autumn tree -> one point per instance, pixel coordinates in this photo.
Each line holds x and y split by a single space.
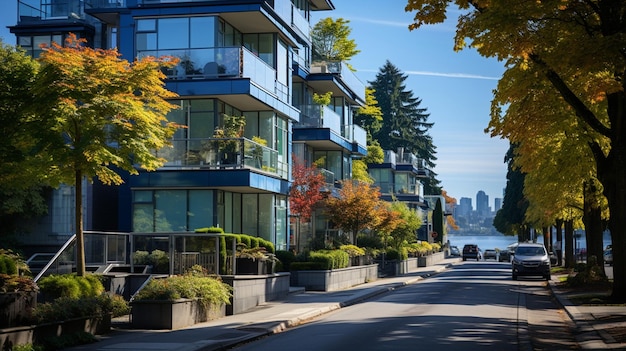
103 114
305 191
405 122
577 49
356 209
405 231
22 182
331 40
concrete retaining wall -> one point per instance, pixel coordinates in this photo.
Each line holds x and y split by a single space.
250 291
335 279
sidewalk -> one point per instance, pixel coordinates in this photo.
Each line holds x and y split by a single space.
597 327
300 306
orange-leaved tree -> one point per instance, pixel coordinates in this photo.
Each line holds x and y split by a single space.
103 114
357 208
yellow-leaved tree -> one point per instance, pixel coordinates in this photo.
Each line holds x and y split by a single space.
575 48
102 114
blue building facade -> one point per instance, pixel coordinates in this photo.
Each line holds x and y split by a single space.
237 60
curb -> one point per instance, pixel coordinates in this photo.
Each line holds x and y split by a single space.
587 336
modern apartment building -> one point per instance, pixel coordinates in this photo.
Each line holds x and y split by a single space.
398 178
239 60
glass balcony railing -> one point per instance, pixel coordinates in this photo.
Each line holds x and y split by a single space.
340 68
45 10
219 62
290 14
329 177
104 4
355 134
219 153
318 116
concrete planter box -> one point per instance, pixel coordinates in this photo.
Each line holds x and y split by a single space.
39 334
431 259
250 291
159 314
335 279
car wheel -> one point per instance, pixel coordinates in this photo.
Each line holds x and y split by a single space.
464 258
547 277
514 276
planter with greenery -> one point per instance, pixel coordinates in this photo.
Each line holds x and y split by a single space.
179 301
18 293
75 308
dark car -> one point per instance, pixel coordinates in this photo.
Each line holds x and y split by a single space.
608 256
531 260
471 251
490 254
504 255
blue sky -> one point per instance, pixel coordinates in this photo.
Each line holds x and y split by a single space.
455 87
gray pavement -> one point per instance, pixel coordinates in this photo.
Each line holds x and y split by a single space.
300 307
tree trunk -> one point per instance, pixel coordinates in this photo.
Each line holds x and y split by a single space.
570 261
558 244
80 242
612 174
592 217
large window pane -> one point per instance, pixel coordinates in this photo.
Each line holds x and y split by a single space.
143 218
266 216
173 33
249 214
146 41
171 210
202 32
200 209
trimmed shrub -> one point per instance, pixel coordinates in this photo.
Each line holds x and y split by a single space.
70 286
254 242
7 265
331 259
286 258
213 230
352 250
268 245
245 239
209 290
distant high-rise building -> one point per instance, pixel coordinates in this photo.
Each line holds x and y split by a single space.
497 204
465 207
482 204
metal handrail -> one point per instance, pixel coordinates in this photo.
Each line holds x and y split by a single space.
69 242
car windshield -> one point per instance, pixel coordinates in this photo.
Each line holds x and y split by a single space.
530 251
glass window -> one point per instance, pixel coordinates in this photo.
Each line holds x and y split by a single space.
173 33
266 48
146 41
266 216
171 210
144 25
143 196
249 214
200 211
201 29
143 218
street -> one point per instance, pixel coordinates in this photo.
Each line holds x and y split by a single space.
471 306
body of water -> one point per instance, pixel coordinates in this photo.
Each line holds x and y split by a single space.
501 241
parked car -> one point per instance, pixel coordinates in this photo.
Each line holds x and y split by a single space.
490 254
608 257
471 251
504 255
454 251
531 260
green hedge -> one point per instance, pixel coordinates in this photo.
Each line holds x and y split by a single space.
330 259
7 265
70 286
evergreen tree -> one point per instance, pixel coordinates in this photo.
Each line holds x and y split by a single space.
405 124
510 219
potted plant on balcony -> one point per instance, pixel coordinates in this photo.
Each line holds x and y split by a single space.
230 132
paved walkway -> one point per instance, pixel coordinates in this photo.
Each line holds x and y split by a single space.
298 308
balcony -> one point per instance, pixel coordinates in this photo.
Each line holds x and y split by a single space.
222 153
50 10
291 14
222 62
318 116
104 4
341 70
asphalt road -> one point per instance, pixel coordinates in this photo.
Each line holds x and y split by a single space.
472 306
